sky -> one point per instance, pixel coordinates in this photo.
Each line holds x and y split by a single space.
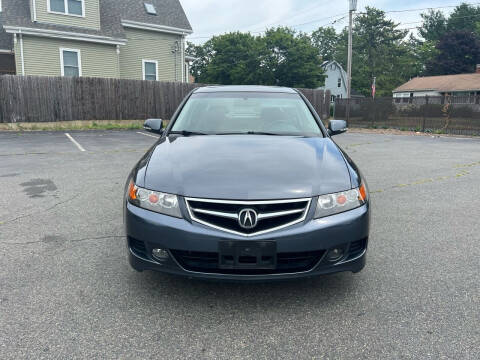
215 17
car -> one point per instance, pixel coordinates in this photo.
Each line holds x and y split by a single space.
245 183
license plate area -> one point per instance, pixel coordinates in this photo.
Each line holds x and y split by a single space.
246 255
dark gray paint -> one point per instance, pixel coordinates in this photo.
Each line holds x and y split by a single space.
247 167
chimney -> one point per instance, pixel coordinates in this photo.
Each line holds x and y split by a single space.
478 69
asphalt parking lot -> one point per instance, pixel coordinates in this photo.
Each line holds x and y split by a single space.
66 290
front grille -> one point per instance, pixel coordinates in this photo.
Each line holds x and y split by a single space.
208 262
271 215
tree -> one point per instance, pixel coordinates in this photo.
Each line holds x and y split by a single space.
422 52
434 26
291 59
464 18
458 53
236 59
325 39
203 55
380 50
281 57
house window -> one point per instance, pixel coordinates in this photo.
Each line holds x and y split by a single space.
150 70
332 98
68 7
339 82
71 62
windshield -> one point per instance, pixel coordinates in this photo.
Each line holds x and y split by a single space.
247 113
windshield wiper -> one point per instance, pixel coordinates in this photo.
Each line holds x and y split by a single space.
187 133
252 133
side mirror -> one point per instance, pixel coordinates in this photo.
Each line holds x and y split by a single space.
154 125
336 127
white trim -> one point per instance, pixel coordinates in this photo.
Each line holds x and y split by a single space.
155 27
182 59
6 51
79 59
67 13
65 35
22 57
34 12
144 61
0 5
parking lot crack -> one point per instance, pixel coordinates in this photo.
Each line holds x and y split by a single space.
70 241
39 211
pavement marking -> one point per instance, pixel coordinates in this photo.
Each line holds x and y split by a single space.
75 142
142 133
140 150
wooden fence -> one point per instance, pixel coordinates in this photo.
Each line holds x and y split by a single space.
51 99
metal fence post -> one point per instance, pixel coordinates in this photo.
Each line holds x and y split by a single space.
374 118
425 113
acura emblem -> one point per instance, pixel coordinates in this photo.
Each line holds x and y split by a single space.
248 218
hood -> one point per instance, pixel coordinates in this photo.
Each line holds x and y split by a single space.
247 167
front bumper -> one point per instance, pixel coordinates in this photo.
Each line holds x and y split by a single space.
147 230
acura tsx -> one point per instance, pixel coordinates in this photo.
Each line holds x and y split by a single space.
245 183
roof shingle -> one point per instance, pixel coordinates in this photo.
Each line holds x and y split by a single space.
170 13
6 40
445 83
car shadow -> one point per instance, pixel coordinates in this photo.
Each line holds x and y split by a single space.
251 297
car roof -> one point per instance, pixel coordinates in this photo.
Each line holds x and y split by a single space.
245 88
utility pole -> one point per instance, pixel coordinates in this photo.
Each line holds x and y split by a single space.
352 8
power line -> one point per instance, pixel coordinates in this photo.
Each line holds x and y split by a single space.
294 15
292 25
335 19
291 16
420 22
430 8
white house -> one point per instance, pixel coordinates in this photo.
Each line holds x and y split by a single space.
336 81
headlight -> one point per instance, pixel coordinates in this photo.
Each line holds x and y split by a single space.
332 204
162 203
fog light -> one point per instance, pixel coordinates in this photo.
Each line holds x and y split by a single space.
160 254
335 254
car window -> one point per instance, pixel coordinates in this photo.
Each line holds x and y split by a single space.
247 112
